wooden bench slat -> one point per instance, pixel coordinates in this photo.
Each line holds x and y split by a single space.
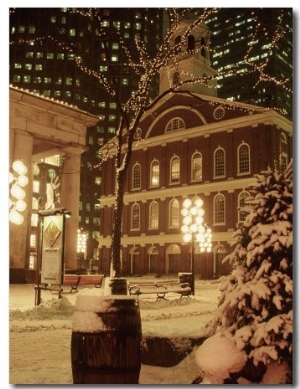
160 288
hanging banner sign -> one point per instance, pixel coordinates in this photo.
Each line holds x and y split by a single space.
52 250
51 266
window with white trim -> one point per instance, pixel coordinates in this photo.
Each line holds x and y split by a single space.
174 170
174 213
219 209
136 176
154 173
135 217
175 124
219 162
243 158
153 214
196 166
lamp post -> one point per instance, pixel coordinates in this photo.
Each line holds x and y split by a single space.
194 230
17 181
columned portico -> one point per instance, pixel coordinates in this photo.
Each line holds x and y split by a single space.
70 201
40 128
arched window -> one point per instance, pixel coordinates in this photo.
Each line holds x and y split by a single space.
196 166
191 42
136 176
135 217
219 162
174 170
242 202
175 124
243 158
153 214
174 213
177 43
219 209
154 173
176 78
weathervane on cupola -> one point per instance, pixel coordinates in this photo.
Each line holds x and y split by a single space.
192 59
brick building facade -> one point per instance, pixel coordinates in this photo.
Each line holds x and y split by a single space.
193 145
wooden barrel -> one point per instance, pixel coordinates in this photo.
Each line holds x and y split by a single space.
106 340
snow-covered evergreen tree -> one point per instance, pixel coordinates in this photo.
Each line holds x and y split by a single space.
256 302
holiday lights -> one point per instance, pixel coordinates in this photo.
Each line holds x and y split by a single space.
195 230
139 61
17 181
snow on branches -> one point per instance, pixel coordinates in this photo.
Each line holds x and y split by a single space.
256 301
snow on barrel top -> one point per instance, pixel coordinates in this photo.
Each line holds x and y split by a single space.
89 306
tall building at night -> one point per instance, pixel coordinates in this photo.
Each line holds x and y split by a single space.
48 68
232 30
41 65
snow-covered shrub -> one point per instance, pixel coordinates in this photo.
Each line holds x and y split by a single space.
256 301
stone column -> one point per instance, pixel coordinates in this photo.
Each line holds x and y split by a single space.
21 145
70 200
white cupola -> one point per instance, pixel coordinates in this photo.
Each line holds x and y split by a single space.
192 60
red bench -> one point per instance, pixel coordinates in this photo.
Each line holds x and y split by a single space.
74 280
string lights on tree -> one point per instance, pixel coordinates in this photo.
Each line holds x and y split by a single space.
138 59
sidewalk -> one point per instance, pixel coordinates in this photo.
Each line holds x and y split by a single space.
22 296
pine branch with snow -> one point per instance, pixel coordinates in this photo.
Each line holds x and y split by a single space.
256 301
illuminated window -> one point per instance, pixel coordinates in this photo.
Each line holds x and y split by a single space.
174 170
219 209
243 159
174 213
175 124
219 162
153 214
196 166
135 217
36 186
33 240
136 176
154 173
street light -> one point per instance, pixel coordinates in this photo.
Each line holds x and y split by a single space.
194 230
17 181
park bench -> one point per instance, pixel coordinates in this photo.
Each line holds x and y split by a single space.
74 280
160 288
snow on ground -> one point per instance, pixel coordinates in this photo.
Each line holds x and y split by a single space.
40 337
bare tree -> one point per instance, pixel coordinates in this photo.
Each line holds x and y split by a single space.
138 58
